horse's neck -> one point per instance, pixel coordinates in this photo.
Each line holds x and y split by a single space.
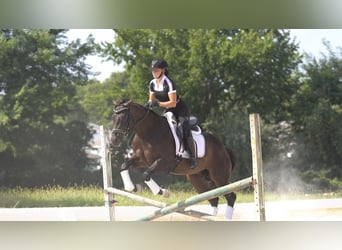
147 122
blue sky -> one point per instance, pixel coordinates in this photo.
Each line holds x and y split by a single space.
310 41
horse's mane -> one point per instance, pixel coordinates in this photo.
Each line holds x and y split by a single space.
122 101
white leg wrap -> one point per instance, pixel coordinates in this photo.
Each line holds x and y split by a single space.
214 211
229 213
139 188
153 186
166 193
128 184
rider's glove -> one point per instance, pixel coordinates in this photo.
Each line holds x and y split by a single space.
151 104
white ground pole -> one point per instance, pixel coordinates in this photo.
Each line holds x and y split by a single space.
107 174
259 199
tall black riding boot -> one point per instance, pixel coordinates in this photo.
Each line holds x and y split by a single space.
188 140
180 132
192 152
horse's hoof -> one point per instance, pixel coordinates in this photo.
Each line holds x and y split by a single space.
166 193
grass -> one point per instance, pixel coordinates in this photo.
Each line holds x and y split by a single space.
75 196
51 197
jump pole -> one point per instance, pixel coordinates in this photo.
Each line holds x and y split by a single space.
158 204
178 206
107 174
259 199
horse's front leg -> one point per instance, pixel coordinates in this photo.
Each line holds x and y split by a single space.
126 178
155 188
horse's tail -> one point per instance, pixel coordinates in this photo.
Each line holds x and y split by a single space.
232 157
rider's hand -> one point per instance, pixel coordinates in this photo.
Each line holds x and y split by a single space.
155 104
151 104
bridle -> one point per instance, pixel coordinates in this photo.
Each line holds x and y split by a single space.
130 118
119 130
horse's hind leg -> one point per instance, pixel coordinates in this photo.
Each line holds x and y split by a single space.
221 180
202 184
230 197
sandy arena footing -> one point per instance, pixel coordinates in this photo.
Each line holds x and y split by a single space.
293 210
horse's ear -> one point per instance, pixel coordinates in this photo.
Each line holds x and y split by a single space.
114 102
128 102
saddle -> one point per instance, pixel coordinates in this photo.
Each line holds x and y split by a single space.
198 138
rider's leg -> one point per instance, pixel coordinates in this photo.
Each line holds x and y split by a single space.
180 132
192 151
188 141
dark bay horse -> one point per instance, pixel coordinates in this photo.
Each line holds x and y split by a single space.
154 150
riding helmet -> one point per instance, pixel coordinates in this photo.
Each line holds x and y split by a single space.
159 64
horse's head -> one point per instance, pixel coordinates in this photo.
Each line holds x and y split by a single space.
121 121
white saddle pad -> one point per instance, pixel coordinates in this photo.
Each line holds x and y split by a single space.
196 135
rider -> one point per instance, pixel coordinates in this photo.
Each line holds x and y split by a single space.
163 94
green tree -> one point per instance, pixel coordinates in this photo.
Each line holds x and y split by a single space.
317 116
42 134
96 98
